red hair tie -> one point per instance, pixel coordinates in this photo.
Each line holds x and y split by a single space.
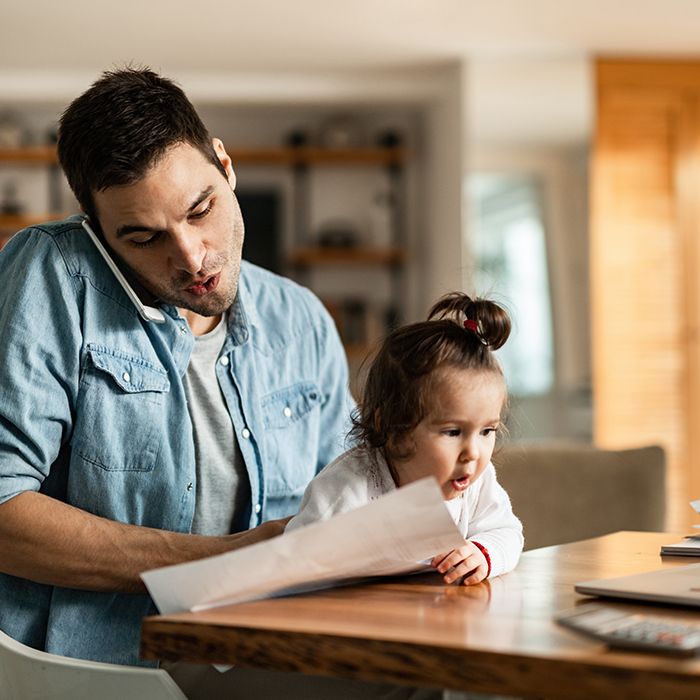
471 325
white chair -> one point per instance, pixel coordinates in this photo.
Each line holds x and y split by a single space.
28 674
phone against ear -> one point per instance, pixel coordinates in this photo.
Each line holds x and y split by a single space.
148 313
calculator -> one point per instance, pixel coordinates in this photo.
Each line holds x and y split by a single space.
633 630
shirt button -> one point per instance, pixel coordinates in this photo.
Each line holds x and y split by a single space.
287 411
189 486
183 329
126 377
224 361
312 397
245 433
258 507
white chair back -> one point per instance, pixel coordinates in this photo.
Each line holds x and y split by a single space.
28 674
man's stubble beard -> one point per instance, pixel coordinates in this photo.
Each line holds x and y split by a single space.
171 291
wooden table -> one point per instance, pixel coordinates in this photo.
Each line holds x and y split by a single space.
497 637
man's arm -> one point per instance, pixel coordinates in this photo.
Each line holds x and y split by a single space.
47 541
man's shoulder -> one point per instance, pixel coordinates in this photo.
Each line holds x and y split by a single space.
272 298
263 284
61 242
55 229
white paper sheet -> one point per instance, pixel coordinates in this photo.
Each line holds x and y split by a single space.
696 507
691 546
387 536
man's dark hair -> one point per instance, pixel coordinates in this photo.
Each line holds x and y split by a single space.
117 130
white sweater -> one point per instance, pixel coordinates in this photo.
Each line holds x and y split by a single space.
482 513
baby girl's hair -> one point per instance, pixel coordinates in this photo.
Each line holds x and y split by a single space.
460 333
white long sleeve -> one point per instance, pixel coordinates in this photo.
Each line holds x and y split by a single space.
487 518
483 513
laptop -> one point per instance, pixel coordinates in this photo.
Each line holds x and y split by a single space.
680 586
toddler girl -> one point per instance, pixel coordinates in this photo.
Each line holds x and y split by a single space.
431 406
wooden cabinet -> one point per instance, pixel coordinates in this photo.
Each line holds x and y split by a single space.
645 265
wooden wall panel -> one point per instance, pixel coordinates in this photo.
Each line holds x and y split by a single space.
643 227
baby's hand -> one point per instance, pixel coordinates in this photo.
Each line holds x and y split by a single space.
467 561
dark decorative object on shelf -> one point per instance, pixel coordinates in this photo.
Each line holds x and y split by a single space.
338 234
297 138
389 138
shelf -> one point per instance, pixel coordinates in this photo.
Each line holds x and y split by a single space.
306 257
29 154
16 222
308 155
305 155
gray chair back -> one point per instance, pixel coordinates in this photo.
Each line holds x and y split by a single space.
568 492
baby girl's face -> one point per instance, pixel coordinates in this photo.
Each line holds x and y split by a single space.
455 441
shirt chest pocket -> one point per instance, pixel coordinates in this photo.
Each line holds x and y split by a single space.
120 419
291 417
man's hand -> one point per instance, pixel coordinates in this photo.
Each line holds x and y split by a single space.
266 531
47 541
467 561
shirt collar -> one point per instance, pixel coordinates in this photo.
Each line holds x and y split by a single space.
243 315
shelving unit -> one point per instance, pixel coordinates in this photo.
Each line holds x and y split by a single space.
32 156
304 256
318 255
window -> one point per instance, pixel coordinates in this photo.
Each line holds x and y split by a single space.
507 241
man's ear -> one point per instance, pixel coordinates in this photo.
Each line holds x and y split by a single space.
225 160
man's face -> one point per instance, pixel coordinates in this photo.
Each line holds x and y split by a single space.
179 230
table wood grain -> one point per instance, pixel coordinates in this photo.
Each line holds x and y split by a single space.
497 637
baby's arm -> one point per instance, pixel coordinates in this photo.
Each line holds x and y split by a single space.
494 536
469 561
492 526
340 487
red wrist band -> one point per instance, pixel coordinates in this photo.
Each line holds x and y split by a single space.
485 552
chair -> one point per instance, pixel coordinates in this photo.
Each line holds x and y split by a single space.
28 674
563 492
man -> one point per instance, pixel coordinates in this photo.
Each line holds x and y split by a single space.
127 444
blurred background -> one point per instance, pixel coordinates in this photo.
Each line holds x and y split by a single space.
390 151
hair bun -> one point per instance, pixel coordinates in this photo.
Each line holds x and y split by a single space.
488 320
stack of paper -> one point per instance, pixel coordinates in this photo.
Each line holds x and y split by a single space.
690 547
390 535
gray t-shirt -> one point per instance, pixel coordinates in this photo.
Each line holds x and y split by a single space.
223 489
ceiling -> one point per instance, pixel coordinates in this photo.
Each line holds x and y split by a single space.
519 51
232 35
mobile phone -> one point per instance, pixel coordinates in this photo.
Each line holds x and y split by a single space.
148 313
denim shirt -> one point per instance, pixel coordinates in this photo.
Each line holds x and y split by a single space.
93 413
